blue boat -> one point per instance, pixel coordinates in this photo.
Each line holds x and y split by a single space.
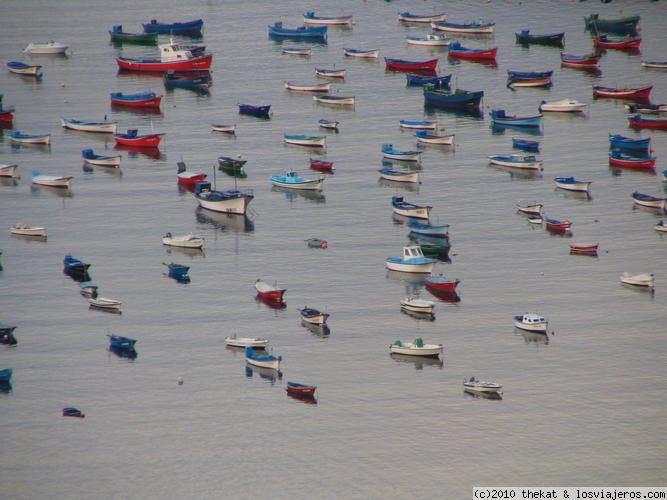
194 81
473 27
418 124
318 33
624 25
525 144
411 210
449 99
524 37
427 229
121 342
262 360
258 111
74 266
292 180
187 28
6 375
528 75
73 412
178 271
21 68
437 81
621 142
388 151
499 117
7 335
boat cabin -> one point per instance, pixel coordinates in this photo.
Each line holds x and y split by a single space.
412 252
533 319
173 52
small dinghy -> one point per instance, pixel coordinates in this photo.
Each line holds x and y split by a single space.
313 316
416 348
73 412
316 243
254 342
476 385
105 303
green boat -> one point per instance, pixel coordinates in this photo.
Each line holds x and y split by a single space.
232 166
434 250
119 36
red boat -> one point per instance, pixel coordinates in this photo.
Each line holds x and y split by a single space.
558 225
586 61
188 179
603 42
301 389
622 93
322 166
441 284
403 65
6 114
459 52
588 249
173 57
619 159
639 122
138 141
138 100
268 292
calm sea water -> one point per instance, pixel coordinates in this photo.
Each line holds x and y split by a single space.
584 408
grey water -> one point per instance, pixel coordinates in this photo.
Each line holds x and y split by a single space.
583 405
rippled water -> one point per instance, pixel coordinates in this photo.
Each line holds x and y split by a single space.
584 408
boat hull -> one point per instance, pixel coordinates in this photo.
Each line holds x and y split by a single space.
155 66
39 232
237 206
638 280
101 128
8 170
431 351
396 264
142 141
582 186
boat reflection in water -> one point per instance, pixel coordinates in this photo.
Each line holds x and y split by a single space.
532 337
423 316
431 110
294 194
319 330
518 173
5 387
412 187
413 281
36 190
268 374
575 195
482 395
304 398
129 354
225 222
190 252
419 362
133 152
273 304
500 129
445 296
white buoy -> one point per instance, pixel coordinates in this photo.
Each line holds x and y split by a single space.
180 380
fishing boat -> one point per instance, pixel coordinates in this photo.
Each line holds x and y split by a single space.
132 138
429 40
322 166
179 272
269 292
556 225
334 100
119 36
619 158
6 375
525 144
300 390
604 42
137 100
330 72
475 385
183 241
363 53
173 57
449 99
27 230
328 124
297 51
88 289
408 17
417 305
416 348
469 28
531 322
225 129
121 342
399 175
231 165
583 61
310 18
419 124
649 123
415 80
311 141
313 316
263 111
50 47
525 37
647 200
315 87
194 80
646 108
426 137
623 92
420 229
562 106
8 170
254 342
7 335
458 51
292 180
529 78
572 184
661 227
277 30
262 360
654 64
6 114
388 151
187 178
404 65
104 127
584 249
60 181
317 243
21 68
441 284
74 266
232 201
402 207
621 25
533 209
499 117
21 138
412 261
643 280
525 161
90 158
637 145
187 28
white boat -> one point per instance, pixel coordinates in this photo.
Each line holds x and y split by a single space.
571 184
225 129
91 158
8 170
649 201
419 124
310 18
429 39
26 230
315 87
661 227
389 152
21 138
328 124
416 348
330 73
370 54
51 180
399 175
564 105
531 322
417 305
407 17
312 141
292 180
88 289
475 385
645 280
254 342
524 161
50 47
105 303
654 64
534 209
297 51
412 261
184 241
434 138
231 201
262 360
313 316
104 127
407 209
334 100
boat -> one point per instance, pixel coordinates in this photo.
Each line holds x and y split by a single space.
91 158
587 61
429 40
420 229
499 117
50 47
330 72
527 79
21 138
313 316
74 266
584 248
311 141
556 225
186 178
402 207
105 303
440 284
8 170
562 105
52 180
88 289
318 33
644 280
531 322
21 68
619 158
415 304
121 342
297 51
187 28
458 51
104 127
363 53
292 180
300 390
184 241
408 17
572 184
173 57
26 230
179 272
315 87
232 201
419 124
647 200
317 243
269 292
525 37
436 248
231 165
646 108
623 92
604 42
263 111
449 99
534 209
136 100
6 375
421 80
404 65
6 115
7 335
388 151
119 36
194 80
649 123
131 138
262 360
515 160
254 342
73 412
627 143
472 27
225 129
621 25
475 385
525 144
654 64
335 100
426 137
328 124
412 261
310 18
399 175
416 348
